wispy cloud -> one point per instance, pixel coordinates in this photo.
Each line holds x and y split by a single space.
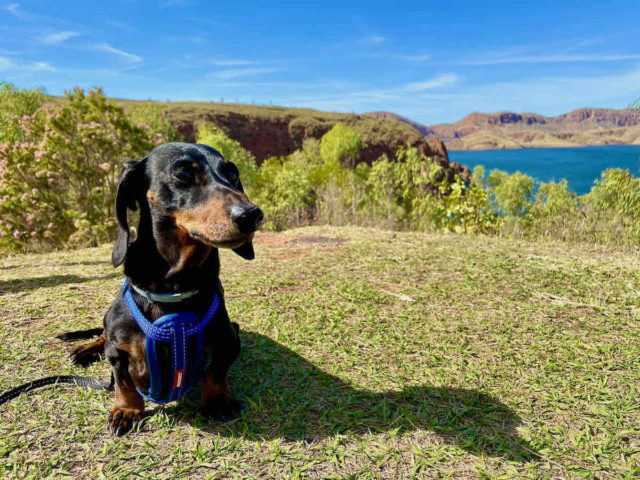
43 66
419 58
370 99
440 81
58 37
9 64
105 47
559 58
548 95
376 39
13 8
242 72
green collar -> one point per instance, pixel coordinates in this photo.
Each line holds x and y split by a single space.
164 297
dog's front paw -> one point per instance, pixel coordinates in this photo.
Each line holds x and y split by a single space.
122 420
223 408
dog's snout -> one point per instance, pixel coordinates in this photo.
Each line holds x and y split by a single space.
247 218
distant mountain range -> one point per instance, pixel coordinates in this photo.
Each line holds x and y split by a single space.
484 131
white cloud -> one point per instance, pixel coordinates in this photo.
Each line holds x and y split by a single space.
105 47
440 81
559 58
58 37
241 72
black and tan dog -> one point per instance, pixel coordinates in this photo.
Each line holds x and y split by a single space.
191 203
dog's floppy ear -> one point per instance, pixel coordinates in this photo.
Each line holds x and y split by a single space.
246 251
131 190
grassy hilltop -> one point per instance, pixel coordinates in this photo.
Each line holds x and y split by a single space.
367 354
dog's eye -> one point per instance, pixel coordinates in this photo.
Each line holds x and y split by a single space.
184 176
233 177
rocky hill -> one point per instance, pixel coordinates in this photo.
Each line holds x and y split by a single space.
482 131
275 131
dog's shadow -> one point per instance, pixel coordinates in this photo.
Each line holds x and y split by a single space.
288 397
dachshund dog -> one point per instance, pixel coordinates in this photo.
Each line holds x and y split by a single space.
191 203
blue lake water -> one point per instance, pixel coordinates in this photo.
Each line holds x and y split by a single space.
580 166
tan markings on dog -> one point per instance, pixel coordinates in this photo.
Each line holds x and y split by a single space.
138 369
153 200
210 223
191 252
89 350
127 407
212 392
205 219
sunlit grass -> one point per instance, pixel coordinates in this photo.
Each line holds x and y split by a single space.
366 354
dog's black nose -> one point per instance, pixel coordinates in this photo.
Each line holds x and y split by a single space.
246 218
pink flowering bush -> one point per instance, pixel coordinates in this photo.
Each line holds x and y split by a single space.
58 182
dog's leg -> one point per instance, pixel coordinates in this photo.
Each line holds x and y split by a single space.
129 404
217 400
87 354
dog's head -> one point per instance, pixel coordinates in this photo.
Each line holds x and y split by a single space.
192 191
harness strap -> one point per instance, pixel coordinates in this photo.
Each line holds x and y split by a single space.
175 329
156 333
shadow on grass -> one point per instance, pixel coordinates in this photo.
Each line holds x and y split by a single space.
288 397
24 284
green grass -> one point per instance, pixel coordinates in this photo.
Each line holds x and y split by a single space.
380 356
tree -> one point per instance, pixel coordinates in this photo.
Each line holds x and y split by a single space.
342 145
512 193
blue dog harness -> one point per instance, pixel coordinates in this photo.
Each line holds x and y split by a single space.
181 336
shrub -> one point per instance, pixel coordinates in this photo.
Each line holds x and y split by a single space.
554 212
284 193
58 184
153 116
617 192
14 105
511 193
383 200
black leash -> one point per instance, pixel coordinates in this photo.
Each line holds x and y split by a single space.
41 382
72 379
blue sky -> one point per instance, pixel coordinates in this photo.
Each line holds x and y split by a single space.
430 61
